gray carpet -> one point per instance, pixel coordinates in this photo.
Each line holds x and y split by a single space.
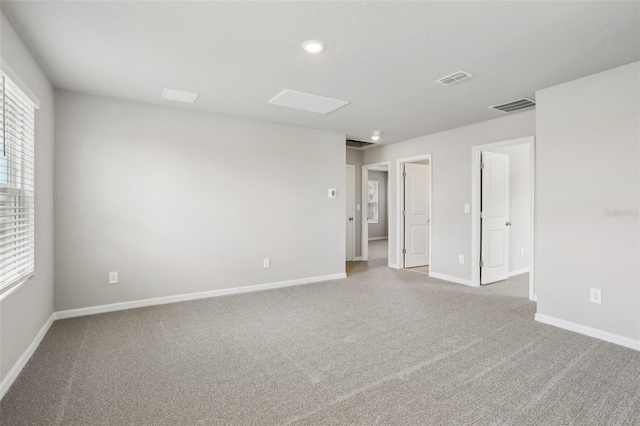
380 347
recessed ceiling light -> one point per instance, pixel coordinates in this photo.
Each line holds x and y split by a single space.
376 135
313 46
179 95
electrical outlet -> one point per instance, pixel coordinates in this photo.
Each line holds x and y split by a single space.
266 263
113 277
522 251
595 295
467 208
461 258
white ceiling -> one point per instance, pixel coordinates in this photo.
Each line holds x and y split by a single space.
382 57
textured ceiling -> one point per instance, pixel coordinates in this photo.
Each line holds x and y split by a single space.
382 57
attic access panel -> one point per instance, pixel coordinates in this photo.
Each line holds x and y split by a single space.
306 102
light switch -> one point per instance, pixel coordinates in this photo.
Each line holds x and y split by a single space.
467 208
332 193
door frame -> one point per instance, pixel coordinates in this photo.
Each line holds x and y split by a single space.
364 246
400 203
475 207
352 170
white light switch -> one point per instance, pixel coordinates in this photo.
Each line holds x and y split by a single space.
467 208
332 193
113 277
266 263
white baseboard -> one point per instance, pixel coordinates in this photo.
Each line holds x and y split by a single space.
394 266
518 271
589 331
357 258
452 279
378 238
22 361
71 313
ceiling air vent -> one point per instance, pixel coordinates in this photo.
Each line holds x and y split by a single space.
454 78
516 105
358 144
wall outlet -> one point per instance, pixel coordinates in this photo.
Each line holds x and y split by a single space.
467 208
266 263
113 277
522 251
595 295
461 258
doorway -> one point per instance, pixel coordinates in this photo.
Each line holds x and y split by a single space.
375 212
502 211
414 212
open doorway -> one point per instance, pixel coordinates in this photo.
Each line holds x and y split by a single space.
375 212
414 213
503 212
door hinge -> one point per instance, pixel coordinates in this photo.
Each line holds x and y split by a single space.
481 215
404 174
404 251
481 165
404 212
481 264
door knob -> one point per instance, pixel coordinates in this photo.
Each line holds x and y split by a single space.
508 223
350 218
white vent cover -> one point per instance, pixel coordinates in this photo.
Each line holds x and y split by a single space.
454 78
516 105
306 102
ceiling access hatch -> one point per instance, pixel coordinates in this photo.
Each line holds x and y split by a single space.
358 144
306 102
516 105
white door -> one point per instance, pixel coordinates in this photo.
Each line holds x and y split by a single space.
350 201
494 222
416 215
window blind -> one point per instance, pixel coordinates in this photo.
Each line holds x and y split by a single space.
17 195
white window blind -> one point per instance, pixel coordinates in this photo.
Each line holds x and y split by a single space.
17 233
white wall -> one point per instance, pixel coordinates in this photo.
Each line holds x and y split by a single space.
24 310
355 158
587 154
519 205
181 202
377 230
451 186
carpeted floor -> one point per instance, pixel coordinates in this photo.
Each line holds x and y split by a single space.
383 346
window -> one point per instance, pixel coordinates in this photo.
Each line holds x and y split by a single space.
372 202
17 236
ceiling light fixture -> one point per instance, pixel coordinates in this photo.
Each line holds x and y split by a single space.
313 46
376 135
